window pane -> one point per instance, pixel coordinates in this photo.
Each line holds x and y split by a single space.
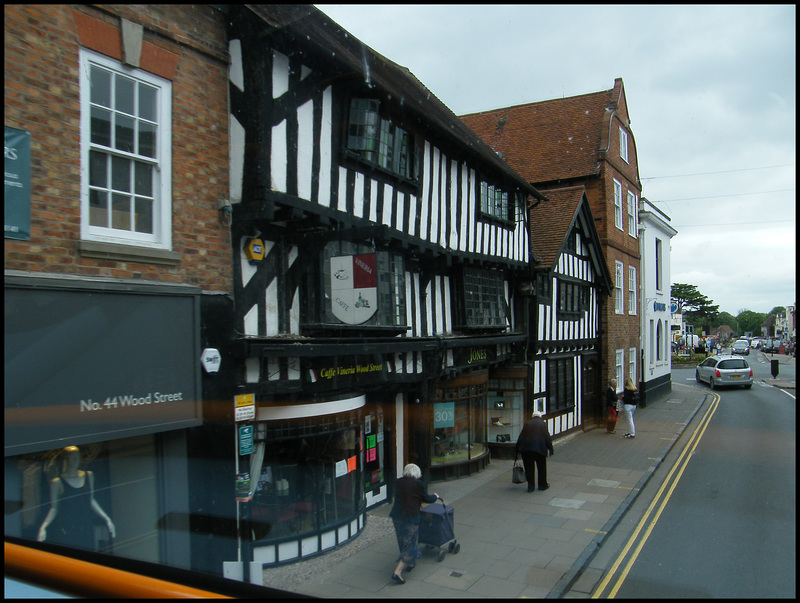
97 169
123 133
120 174
147 139
120 212
123 94
147 102
143 179
144 215
101 87
101 127
98 208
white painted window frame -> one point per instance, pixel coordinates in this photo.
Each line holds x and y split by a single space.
161 237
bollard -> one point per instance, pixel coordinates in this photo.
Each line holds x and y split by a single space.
774 368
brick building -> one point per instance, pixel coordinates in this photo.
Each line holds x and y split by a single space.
585 140
116 136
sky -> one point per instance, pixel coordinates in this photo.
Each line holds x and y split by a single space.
711 98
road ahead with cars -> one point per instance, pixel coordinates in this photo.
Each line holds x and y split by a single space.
728 528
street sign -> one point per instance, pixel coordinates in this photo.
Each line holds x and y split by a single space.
246 439
245 409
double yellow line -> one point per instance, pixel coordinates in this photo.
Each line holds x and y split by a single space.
659 501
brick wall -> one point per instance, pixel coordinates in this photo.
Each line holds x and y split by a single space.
183 43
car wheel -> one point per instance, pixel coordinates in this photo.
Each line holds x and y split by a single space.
711 383
748 386
697 376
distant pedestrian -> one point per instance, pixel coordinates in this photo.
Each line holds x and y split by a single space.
410 493
630 400
533 443
612 398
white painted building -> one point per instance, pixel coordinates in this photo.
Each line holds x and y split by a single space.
655 234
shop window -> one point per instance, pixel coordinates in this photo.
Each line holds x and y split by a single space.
311 475
505 409
374 453
459 423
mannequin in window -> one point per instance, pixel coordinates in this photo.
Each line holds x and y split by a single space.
71 499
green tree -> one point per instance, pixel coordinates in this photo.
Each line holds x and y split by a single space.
697 309
777 311
725 318
750 321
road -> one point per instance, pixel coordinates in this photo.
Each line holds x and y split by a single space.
718 519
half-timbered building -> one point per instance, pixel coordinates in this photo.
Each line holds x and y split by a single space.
573 286
587 141
381 265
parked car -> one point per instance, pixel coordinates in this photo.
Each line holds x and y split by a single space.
741 347
724 370
769 345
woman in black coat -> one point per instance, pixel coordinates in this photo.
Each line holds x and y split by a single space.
409 496
533 443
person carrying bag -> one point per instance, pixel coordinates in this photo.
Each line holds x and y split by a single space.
517 473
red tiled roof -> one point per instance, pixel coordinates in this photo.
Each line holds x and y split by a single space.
549 140
550 222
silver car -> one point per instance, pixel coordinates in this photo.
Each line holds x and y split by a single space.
741 347
725 370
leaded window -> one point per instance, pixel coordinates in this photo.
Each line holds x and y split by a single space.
379 140
484 299
560 384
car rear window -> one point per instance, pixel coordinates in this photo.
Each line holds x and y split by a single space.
734 363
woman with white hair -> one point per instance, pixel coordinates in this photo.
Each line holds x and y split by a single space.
410 493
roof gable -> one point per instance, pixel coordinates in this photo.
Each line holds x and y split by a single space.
551 140
553 220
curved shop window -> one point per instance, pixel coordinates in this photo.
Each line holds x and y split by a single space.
311 474
459 420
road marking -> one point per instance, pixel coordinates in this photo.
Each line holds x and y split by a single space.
659 501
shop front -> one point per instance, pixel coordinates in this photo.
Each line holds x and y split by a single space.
319 459
312 477
476 413
102 380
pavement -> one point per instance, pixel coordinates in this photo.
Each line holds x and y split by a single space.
515 544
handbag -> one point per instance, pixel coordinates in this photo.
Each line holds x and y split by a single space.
517 474
612 415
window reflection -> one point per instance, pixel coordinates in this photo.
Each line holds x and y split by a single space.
310 478
459 429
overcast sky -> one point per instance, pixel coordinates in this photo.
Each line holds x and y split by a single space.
711 98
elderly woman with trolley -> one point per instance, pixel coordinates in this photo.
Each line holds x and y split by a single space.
410 493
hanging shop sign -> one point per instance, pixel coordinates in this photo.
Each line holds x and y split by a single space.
354 287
